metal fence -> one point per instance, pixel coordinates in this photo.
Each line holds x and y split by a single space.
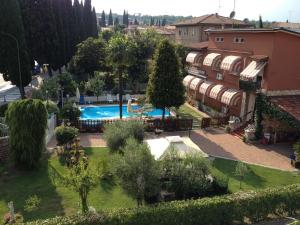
169 124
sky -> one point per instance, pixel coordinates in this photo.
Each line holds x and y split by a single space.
271 10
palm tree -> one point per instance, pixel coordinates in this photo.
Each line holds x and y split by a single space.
120 57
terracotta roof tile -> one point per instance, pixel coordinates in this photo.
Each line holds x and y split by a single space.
289 104
197 46
209 19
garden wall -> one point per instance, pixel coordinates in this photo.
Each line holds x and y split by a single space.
4 149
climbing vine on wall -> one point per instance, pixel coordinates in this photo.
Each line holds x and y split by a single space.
265 107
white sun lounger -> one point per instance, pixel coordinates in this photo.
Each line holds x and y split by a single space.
109 98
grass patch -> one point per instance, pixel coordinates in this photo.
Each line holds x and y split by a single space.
185 111
58 200
258 177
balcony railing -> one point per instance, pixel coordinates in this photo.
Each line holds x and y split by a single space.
249 85
197 72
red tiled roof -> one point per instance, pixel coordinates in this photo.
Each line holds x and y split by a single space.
197 46
289 104
209 19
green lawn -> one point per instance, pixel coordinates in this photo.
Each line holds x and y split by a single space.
57 200
185 111
257 178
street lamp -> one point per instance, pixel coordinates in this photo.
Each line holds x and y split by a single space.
19 63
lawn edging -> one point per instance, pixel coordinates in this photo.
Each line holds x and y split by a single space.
228 209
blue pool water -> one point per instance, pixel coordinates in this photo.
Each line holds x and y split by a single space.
112 112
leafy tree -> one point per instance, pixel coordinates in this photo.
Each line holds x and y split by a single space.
261 25
164 22
110 19
106 35
51 107
241 171
165 88
119 51
89 57
80 178
27 121
65 81
70 112
52 87
138 171
97 85
103 19
181 52
136 22
187 177
15 62
117 133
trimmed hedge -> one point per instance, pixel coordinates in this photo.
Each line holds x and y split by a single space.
227 209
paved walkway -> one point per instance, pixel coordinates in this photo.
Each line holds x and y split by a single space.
216 142
86 140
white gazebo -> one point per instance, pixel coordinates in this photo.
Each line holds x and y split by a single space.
159 147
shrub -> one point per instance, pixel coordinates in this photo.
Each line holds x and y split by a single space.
227 209
3 109
70 112
51 107
37 94
27 121
65 134
117 133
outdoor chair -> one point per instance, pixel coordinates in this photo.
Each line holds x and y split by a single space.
109 98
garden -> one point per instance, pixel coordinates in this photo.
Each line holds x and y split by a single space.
72 180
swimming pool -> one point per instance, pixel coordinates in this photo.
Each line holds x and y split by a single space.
112 112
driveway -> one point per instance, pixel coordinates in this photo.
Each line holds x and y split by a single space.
216 142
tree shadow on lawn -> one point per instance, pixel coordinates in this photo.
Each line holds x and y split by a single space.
18 186
227 167
107 184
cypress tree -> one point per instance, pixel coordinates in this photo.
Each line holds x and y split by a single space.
88 18
260 22
103 19
110 19
116 22
124 18
165 88
13 43
164 22
136 22
94 23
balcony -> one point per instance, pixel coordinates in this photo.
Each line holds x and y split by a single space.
249 86
197 72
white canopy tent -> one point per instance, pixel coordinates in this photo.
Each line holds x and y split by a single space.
159 147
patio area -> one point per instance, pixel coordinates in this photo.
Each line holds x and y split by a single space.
217 143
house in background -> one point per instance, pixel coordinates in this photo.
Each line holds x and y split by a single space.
226 74
192 31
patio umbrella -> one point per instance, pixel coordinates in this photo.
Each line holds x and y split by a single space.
77 93
129 106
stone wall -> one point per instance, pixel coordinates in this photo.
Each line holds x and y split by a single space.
4 149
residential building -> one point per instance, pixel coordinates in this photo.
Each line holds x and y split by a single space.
192 31
228 71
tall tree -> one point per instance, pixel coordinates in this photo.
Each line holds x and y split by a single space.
116 22
261 25
103 19
119 51
164 22
110 19
88 18
136 22
26 144
94 23
124 17
14 59
138 171
165 88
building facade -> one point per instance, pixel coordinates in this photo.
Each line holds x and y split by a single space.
236 64
191 31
